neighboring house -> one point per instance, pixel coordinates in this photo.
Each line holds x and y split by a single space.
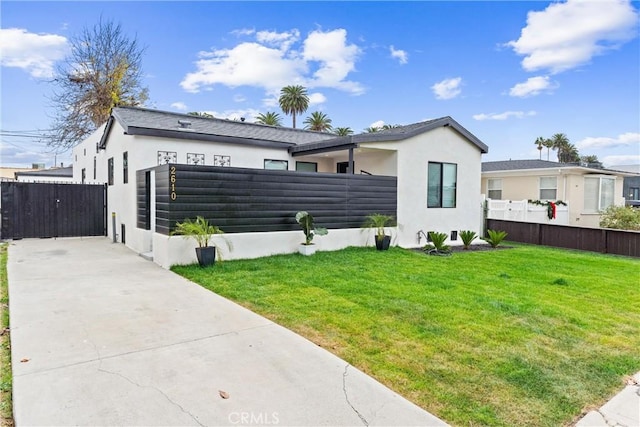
9 174
586 191
53 175
434 168
631 185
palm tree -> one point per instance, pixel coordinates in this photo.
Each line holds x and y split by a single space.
270 118
591 161
318 121
387 127
294 100
372 129
560 143
548 144
343 131
540 143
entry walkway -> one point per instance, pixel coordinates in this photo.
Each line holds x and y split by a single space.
102 337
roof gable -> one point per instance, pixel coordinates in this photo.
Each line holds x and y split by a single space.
394 134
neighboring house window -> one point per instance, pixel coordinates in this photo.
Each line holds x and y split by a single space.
634 193
110 170
282 165
95 164
494 189
125 167
548 187
84 175
307 166
441 185
598 193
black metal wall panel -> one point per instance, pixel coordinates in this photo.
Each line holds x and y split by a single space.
52 210
254 200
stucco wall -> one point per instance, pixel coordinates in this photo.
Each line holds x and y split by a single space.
174 250
413 155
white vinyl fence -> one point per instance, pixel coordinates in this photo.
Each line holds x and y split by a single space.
522 210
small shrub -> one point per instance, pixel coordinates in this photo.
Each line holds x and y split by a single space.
467 237
621 218
560 281
437 245
495 237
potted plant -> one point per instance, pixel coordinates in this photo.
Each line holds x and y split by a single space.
305 219
201 231
379 222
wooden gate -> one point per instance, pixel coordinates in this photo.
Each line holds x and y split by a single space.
38 210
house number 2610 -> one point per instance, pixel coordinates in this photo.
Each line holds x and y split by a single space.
172 182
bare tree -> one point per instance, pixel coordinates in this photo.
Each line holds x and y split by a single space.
102 71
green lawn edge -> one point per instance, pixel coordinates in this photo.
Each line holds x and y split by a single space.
570 336
6 403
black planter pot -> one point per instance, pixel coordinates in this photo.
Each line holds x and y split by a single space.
206 256
383 244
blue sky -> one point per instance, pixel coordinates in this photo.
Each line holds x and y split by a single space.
509 72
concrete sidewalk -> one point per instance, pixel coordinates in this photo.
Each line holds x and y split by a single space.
102 337
623 410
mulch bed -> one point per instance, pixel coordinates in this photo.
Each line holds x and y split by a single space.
472 248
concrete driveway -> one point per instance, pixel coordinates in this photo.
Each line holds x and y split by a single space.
101 336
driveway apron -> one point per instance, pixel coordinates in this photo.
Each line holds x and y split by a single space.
101 336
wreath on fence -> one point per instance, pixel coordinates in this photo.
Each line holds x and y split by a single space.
551 206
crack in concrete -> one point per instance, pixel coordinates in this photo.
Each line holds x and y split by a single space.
153 388
346 396
609 422
126 353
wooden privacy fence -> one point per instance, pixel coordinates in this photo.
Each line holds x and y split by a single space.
240 200
40 210
603 240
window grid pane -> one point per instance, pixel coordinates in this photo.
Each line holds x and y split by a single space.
434 185
607 190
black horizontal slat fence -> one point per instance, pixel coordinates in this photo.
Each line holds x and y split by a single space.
240 200
40 210
603 240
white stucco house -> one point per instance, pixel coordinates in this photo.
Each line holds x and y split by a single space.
154 163
586 191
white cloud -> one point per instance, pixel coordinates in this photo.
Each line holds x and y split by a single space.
401 55
243 32
447 88
377 124
627 159
505 115
628 139
335 57
239 98
322 59
282 41
568 34
317 98
180 106
34 53
533 86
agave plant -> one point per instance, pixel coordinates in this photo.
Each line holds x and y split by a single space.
467 237
495 237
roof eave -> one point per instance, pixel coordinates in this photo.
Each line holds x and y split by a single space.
195 136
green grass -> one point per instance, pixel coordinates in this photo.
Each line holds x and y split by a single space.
6 408
524 336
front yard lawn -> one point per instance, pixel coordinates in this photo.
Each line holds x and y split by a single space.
523 336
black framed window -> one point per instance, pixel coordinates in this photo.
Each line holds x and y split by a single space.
125 167
95 166
307 166
110 170
84 175
441 185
